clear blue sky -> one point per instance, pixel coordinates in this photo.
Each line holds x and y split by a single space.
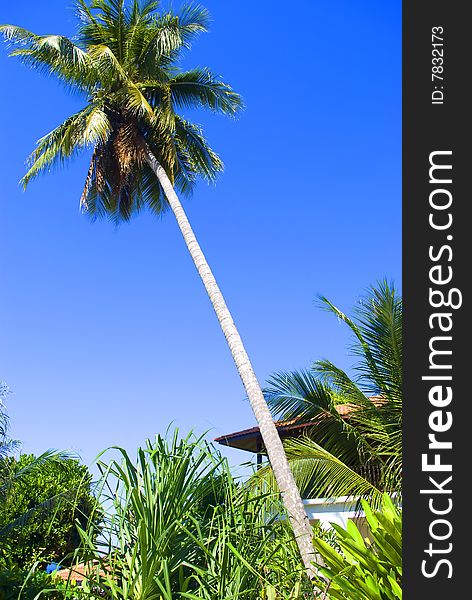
107 334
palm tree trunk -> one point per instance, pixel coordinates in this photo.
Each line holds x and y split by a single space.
275 450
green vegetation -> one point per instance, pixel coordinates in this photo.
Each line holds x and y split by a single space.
16 584
178 525
369 568
356 450
175 524
41 497
39 510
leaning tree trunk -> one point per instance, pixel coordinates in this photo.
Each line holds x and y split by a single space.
275 450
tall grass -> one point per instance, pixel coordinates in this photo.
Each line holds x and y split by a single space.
177 525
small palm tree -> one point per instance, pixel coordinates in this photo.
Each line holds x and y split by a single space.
124 62
354 446
7 445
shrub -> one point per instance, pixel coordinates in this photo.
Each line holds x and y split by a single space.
367 568
39 510
16 584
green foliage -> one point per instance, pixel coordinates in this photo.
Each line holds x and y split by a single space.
125 62
178 525
368 568
16 584
355 444
39 507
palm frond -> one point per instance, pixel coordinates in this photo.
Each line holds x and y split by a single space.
17 35
300 395
367 436
201 88
92 30
363 345
166 36
380 320
49 457
88 127
319 473
7 446
341 382
202 159
135 102
53 54
108 66
159 42
193 20
377 329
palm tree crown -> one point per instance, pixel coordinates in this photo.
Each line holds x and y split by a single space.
125 61
355 443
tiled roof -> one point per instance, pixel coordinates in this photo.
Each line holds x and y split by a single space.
251 439
77 572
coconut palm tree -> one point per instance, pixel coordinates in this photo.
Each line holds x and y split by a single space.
124 61
354 443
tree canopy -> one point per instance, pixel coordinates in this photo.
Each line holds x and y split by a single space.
125 61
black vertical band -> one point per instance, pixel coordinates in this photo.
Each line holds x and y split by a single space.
437 235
